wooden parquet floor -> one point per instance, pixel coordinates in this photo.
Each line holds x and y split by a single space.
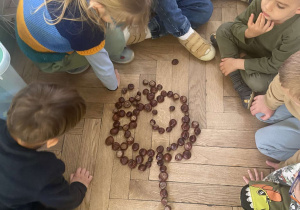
212 178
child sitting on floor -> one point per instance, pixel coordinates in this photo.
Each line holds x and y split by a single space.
32 179
267 33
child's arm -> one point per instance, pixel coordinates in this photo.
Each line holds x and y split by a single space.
59 194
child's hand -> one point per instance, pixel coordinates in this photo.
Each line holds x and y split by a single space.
259 27
272 164
259 106
118 77
228 65
257 178
81 175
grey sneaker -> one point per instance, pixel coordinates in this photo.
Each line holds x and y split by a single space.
78 70
126 56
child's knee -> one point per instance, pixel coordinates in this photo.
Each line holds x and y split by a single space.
224 30
260 138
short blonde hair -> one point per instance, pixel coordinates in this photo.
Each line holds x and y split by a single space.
289 75
41 112
127 12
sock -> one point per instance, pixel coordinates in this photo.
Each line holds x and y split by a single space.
127 34
187 35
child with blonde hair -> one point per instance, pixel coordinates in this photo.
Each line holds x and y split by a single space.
70 35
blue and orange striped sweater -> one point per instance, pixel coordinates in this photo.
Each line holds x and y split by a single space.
44 42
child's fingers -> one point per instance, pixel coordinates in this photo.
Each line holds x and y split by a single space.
270 27
250 175
256 174
78 171
246 179
90 178
87 173
83 171
71 176
258 19
262 21
250 21
261 175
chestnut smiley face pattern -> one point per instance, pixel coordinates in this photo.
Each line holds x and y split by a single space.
145 156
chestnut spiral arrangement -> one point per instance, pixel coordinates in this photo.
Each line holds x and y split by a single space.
145 157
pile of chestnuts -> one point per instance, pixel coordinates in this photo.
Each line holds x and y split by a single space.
141 161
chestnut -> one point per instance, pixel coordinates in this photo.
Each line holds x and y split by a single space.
135 147
124 146
147 107
180 141
139 93
159 156
183 99
162 185
135 112
188 146
172 108
116 117
167 157
164 193
169 149
174 146
197 131
193 138
124 160
132 164
115 111
176 96
143 152
152 122
139 159
172 123
159 87
170 94
169 129
137 98
125 127
145 91
152 83
150 96
184 108
150 159
163 176
132 125
127 134
124 90
150 153
133 118
121 113
127 104
155 127
145 82
175 61
109 140
178 157
185 119
160 149
163 168
153 103
142 167
115 146
140 106
130 140
121 99
148 164
161 130
154 112
153 90
160 162
164 201
118 105
185 134
114 131
120 153
131 99
185 126
187 154
160 99
195 124
130 86
163 93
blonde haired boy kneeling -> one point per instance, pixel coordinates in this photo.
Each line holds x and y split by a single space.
281 107
32 179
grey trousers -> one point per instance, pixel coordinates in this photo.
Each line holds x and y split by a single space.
230 47
281 140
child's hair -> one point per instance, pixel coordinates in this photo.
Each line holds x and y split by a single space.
127 12
289 75
41 112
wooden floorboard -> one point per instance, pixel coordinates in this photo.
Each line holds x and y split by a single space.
225 149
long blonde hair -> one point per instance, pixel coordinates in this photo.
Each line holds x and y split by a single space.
127 12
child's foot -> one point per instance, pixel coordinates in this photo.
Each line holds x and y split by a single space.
245 93
78 70
126 56
213 39
81 175
199 47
